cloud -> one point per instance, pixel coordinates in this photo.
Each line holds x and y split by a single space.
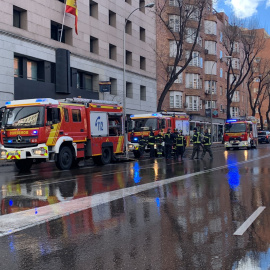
244 8
268 3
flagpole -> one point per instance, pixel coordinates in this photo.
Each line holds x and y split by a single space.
63 21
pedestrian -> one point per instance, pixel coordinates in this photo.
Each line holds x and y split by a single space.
159 140
168 139
207 144
196 139
180 145
142 143
151 143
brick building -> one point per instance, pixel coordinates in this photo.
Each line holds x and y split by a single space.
191 92
35 64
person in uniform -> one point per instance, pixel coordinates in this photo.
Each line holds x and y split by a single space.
159 140
151 143
168 139
196 139
142 143
174 135
181 143
207 144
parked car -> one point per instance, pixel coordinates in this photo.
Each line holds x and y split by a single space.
264 136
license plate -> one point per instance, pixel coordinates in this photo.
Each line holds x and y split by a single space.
14 155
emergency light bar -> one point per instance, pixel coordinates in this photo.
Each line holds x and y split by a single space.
32 101
231 120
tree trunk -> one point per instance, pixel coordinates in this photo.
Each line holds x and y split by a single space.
228 108
261 118
163 95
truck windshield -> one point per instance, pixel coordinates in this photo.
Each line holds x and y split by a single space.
30 116
235 127
144 124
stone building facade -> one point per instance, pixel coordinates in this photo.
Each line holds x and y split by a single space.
35 64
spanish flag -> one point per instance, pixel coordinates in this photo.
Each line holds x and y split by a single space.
71 7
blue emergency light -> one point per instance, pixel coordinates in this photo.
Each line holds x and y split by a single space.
35 132
132 115
135 139
154 114
9 141
41 99
231 120
8 102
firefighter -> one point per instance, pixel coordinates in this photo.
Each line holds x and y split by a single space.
207 144
168 139
180 145
151 143
196 139
174 135
159 140
142 143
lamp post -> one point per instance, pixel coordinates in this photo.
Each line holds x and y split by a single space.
124 73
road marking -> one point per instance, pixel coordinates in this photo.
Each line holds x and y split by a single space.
19 221
249 221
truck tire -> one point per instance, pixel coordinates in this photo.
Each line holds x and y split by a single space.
24 165
106 155
64 158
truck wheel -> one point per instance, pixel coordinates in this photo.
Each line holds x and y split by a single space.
106 155
64 158
136 154
24 165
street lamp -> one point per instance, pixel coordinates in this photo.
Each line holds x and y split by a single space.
124 72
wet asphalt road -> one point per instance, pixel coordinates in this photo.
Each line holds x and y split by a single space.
141 220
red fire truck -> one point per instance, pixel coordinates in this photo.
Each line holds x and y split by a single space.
65 131
142 123
241 133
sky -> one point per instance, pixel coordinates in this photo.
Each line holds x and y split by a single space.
247 9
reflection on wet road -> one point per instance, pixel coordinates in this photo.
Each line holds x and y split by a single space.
183 224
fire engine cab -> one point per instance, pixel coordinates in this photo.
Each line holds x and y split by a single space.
65 131
241 133
140 124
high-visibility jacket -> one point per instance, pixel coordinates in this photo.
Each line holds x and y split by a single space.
151 138
180 140
168 138
196 139
142 142
207 139
159 139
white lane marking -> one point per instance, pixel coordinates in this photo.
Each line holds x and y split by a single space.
26 219
249 221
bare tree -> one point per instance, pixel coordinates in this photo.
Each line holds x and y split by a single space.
242 45
184 31
259 79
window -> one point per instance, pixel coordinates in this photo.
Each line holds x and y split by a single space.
257 60
221 90
192 12
112 18
192 103
142 34
234 111
18 67
193 81
236 96
191 35
221 73
180 77
129 58
88 82
93 9
208 104
79 80
35 70
195 62
93 45
129 27
173 48
112 52
175 3
113 86
220 37
210 67
142 93
233 78
174 23
66 116
221 108
141 5
76 115
235 63
176 99
56 30
129 92
19 18
142 63
210 85
220 54
211 47
210 27
236 47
